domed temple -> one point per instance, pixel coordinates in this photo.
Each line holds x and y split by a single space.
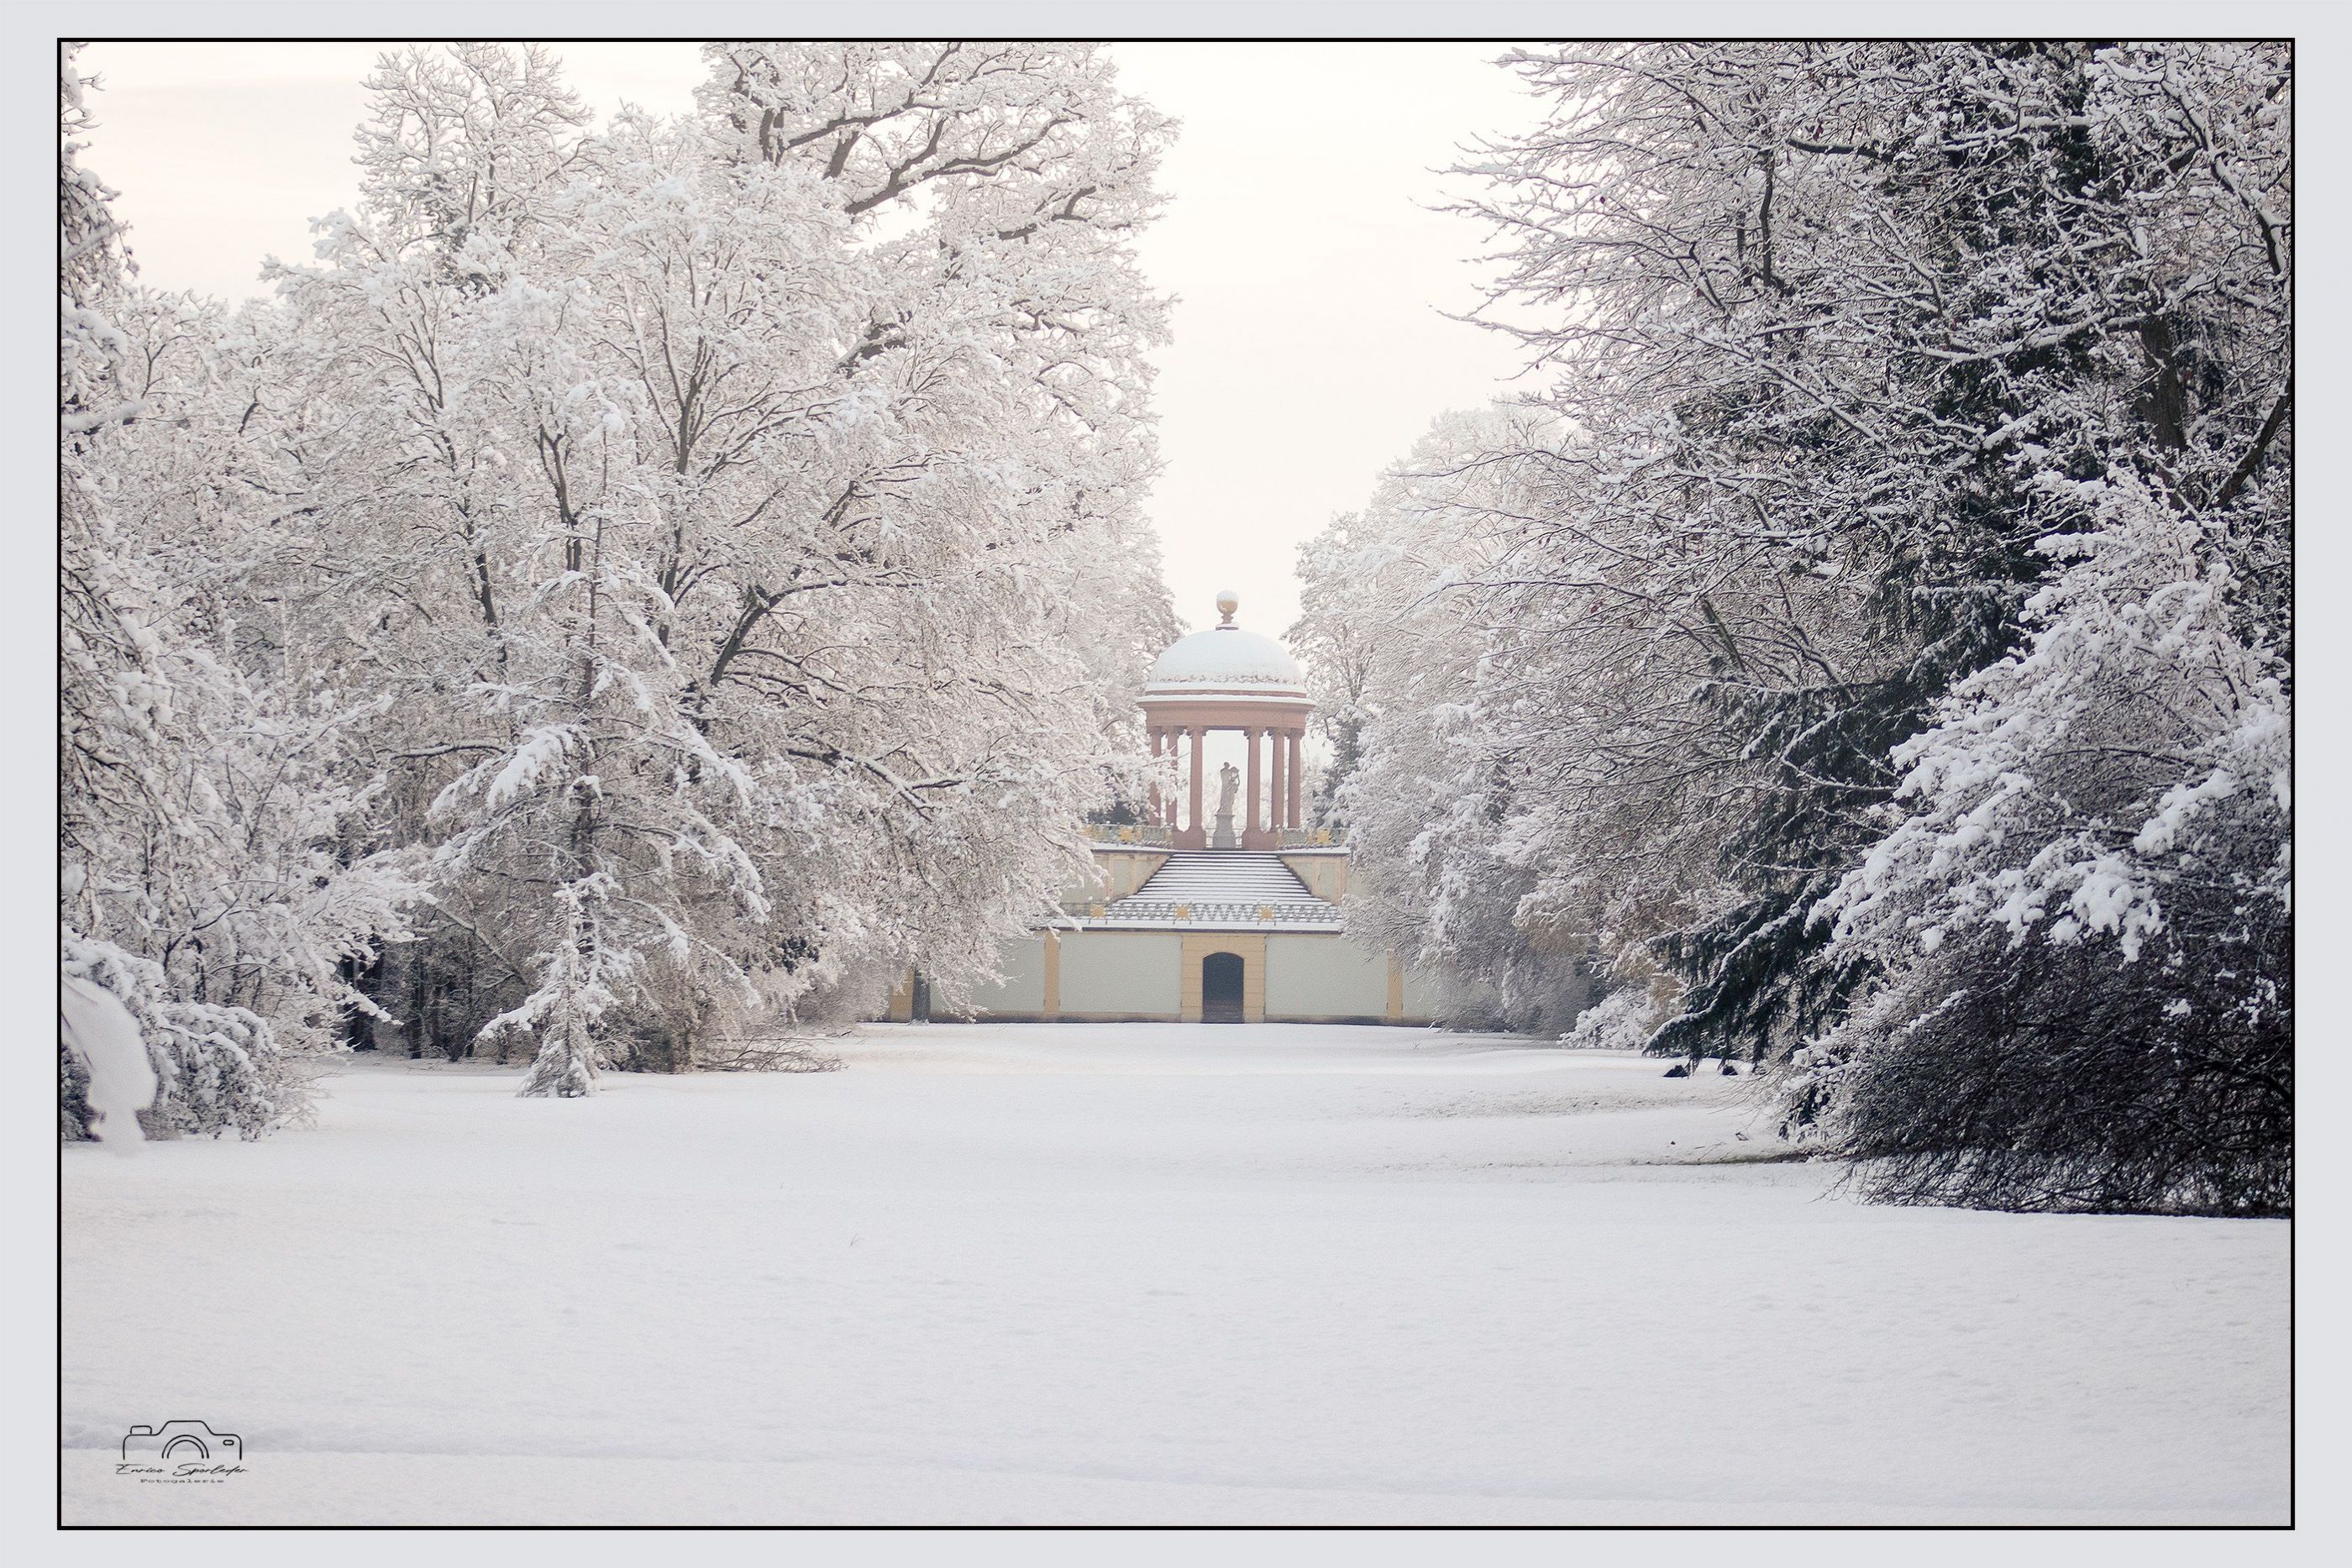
1219 908
1227 678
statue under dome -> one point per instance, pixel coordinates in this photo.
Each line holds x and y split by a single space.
1229 784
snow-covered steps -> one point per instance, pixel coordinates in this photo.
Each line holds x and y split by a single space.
1226 875
1224 887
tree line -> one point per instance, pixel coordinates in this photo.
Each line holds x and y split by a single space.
1867 649
631 581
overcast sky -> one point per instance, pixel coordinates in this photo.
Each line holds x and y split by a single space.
1309 348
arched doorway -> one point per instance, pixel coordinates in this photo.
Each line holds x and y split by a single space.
1220 988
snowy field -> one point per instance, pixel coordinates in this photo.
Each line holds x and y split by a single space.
1138 1274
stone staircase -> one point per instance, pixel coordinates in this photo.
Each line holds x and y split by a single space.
1222 886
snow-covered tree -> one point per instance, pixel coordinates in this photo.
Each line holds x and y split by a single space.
216 874
745 534
1435 764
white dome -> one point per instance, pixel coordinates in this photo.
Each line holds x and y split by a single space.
1225 658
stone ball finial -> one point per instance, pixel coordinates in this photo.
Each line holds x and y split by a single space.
1227 602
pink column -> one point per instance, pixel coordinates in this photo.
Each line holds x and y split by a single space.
1195 735
1296 737
1250 737
1273 791
1151 813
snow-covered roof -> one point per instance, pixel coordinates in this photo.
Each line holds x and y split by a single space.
1224 658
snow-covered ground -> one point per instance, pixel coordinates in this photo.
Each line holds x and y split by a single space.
1138 1274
